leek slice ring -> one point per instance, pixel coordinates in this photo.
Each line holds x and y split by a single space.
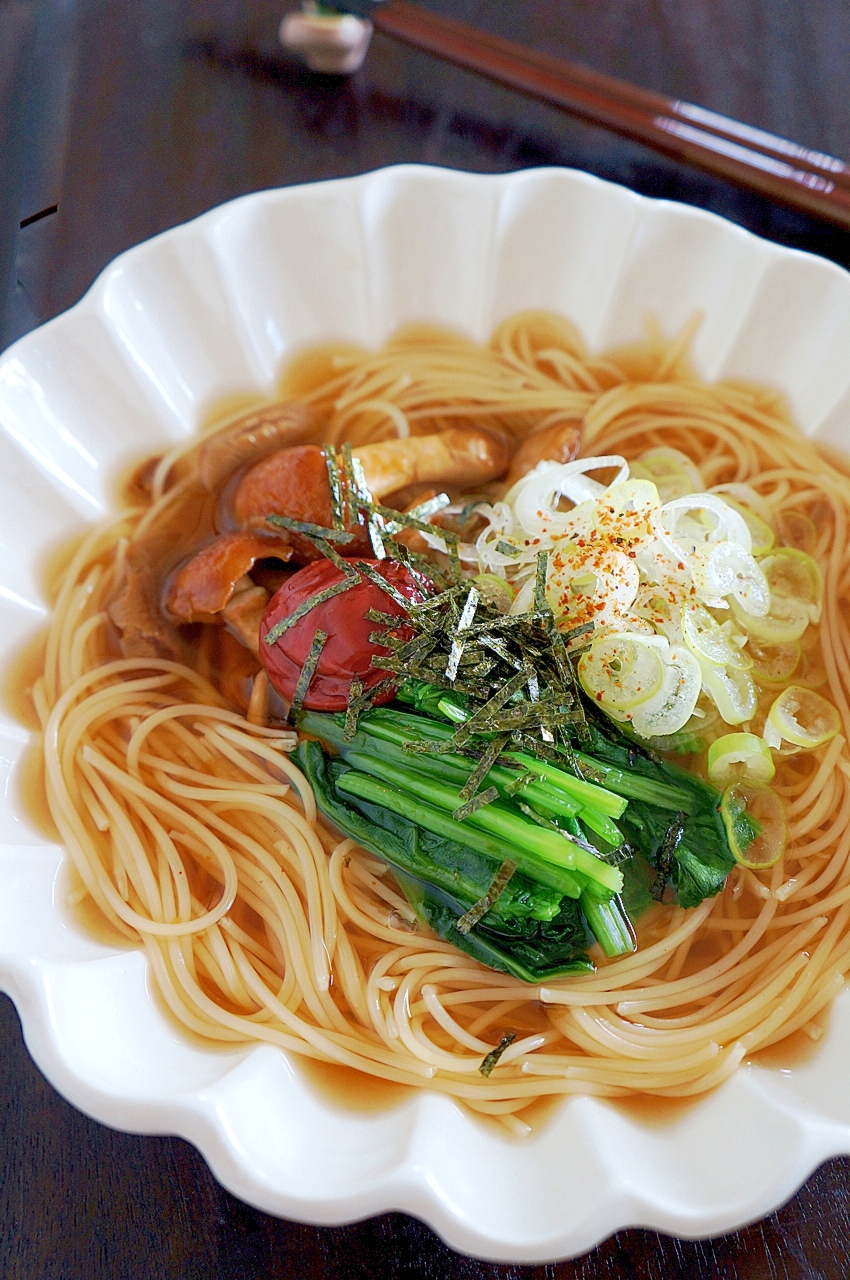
755 822
622 670
740 757
803 718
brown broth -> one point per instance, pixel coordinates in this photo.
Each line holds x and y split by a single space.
797 1049
652 1111
352 1090
15 692
19 677
85 912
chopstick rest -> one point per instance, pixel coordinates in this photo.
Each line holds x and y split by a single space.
335 43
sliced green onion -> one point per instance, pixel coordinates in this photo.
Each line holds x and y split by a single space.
621 670
794 575
495 591
671 471
803 718
740 757
761 533
734 692
797 530
673 705
785 621
774 663
707 640
755 823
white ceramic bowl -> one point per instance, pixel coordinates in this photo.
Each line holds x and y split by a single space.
217 307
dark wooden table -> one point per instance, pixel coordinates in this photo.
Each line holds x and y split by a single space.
133 115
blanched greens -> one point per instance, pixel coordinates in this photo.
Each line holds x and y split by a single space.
533 931
402 804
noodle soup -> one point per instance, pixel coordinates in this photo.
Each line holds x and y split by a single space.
170 776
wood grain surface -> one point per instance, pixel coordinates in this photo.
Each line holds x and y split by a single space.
142 113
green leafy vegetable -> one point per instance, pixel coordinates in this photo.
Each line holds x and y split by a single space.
531 931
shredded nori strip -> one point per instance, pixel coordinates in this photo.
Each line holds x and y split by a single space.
521 781
430 746
387 639
470 918
495 1054
379 580
436 601
467 614
500 647
507 548
483 716
421 569
532 746
365 501
553 826
385 619
311 531
491 754
454 560
477 802
307 672
321 543
366 699
379 551
664 857
567 672
540 602
531 715
303 609
408 520
336 488
507 622
534 694
352 711
393 663
351 484
616 856
430 507
416 649
481 669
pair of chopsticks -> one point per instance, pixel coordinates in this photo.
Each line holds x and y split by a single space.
794 175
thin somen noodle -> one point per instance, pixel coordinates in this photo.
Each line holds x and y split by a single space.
196 835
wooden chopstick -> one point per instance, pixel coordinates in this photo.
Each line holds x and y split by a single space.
797 176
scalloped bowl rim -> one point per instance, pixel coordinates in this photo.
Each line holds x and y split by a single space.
83 394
